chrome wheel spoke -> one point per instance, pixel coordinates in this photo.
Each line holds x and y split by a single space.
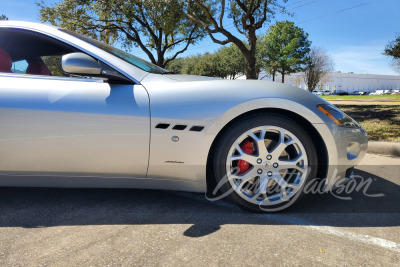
292 164
279 180
249 175
260 192
282 145
246 157
243 178
238 149
260 141
284 196
284 185
263 185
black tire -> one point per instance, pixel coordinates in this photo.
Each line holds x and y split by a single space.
241 126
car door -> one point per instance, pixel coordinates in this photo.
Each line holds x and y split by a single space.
71 126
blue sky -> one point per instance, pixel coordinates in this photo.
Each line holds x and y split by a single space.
354 32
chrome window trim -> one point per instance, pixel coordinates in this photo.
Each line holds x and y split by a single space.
46 77
75 46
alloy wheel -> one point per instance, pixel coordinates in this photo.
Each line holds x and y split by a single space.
267 165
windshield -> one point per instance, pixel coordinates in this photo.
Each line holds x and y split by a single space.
138 62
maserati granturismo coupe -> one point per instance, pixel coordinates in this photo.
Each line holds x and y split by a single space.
75 112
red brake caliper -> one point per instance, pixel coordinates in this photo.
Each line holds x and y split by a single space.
247 148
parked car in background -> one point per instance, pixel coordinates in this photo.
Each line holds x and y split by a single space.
359 93
343 93
396 92
316 92
377 92
387 92
327 92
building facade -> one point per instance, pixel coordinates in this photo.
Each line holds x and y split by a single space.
344 82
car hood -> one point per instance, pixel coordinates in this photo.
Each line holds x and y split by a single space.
188 78
194 98
191 90
210 86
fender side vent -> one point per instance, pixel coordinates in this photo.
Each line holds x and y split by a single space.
196 128
179 127
162 126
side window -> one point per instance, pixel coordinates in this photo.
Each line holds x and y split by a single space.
19 66
53 63
41 57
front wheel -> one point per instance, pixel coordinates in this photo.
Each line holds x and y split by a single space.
263 162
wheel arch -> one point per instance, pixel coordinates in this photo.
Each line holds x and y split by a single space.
322 152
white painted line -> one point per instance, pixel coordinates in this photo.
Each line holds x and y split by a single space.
282 218
366 239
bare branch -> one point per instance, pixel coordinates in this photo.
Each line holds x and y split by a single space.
264 17
221 17
136 38
180 51
317 68
208 13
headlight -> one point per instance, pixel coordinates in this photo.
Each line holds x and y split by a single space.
339 117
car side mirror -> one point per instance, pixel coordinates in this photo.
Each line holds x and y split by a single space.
81 64
84 65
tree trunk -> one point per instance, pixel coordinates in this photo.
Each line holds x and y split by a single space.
160 59
250 66
283 77
250 57
273 75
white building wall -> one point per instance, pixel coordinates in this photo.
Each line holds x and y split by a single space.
346 82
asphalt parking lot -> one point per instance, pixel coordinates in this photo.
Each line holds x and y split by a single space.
96 227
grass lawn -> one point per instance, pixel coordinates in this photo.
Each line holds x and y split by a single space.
362 97
382 123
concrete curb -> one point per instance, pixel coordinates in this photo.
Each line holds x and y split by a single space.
385 148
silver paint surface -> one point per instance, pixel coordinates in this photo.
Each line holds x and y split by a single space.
87 133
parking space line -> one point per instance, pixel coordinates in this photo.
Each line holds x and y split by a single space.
366 239
287 219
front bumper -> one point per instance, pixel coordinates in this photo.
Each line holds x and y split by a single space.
346 147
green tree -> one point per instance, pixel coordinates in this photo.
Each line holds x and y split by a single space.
148 24
184 65
53 63
393 50
204 65
284 49
232 61
247 16
3 17
176 65
227 62
209 65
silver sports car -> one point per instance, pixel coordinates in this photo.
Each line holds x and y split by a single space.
75 112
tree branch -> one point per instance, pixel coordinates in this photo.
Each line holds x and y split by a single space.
137 39
221 17
264 18
179 52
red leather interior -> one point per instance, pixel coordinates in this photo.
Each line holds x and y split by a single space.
37 67
5 61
